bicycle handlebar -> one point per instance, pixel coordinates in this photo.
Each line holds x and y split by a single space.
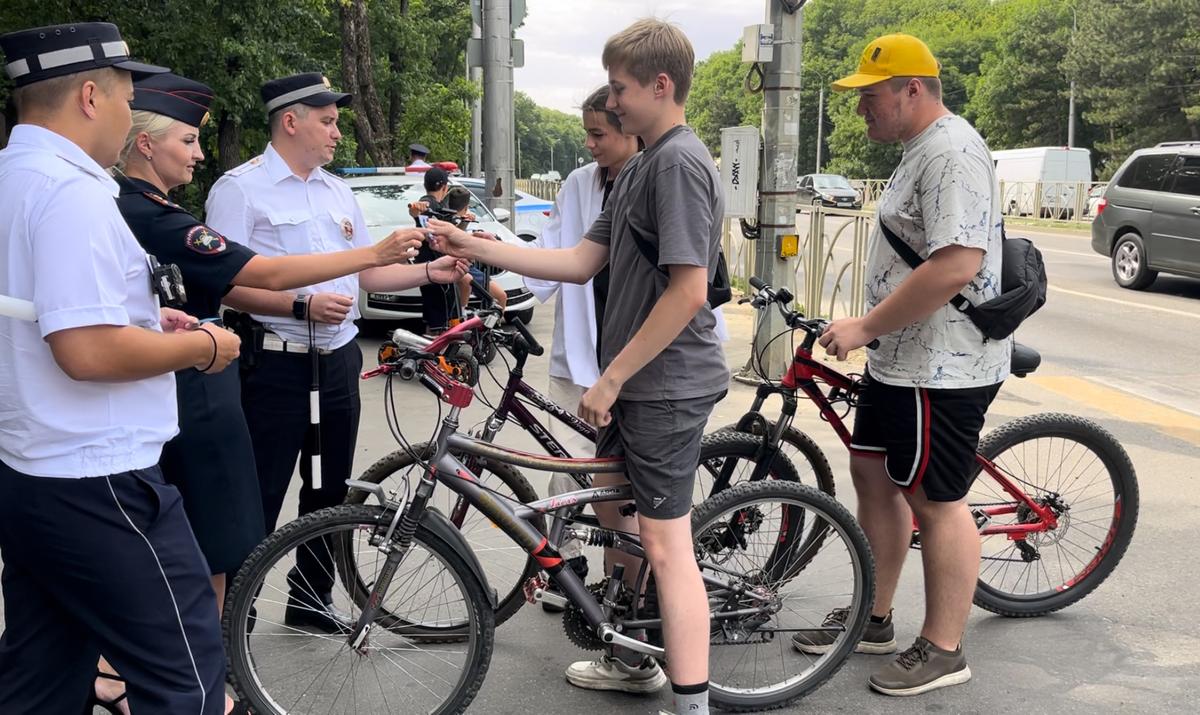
794 319
535 348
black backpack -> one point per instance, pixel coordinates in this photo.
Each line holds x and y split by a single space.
1022 285
719 290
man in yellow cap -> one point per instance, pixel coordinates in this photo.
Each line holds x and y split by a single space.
933 376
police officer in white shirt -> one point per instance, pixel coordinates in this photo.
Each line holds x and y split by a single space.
279 203
98 554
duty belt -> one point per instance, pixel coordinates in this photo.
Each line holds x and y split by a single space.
276 344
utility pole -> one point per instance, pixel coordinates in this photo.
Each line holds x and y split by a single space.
498 104
1071 102
820 125
777 176
475 74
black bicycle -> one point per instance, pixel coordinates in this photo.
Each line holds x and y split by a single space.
725 458
420 612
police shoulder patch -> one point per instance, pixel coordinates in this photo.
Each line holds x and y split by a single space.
160 200
239 170
204 240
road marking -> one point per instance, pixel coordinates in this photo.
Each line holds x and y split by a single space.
1073 253
1129 303
1123 405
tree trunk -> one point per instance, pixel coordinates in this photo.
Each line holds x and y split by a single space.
369 125
229 142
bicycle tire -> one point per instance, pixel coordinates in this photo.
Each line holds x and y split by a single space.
828 510
509 598
1075 436
804 447
478 641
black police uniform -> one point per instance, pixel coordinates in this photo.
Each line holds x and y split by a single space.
98 554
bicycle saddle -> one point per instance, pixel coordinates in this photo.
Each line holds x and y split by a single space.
1024 360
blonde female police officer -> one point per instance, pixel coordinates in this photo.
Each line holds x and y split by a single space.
98 555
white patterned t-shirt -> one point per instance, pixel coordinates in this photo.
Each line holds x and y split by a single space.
943 193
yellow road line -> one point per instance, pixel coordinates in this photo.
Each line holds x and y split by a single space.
1123 405
1129 303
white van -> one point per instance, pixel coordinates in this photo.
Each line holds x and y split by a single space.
1044 180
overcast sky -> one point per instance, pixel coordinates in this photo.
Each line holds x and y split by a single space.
564 38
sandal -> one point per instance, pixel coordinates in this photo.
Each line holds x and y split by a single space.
109 706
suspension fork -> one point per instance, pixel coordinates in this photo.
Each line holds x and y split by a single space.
396 540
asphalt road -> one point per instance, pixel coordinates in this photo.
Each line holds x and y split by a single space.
1127 360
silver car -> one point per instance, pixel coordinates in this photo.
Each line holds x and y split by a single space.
1148 220
384 199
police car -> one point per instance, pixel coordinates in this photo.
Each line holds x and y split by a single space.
384 195
532 212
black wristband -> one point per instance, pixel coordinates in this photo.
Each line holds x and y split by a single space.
213 361
300 307
427 276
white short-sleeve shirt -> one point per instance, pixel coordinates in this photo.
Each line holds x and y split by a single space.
264 206
66 248
943 193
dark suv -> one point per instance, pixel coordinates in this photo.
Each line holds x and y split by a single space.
1149 218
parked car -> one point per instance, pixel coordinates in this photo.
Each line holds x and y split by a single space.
827 190
1148 220
384 197
532 212
1093 199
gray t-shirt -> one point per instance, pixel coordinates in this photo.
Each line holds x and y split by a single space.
943 193
671 194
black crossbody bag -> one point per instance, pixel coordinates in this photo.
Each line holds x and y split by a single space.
1022 285
719 290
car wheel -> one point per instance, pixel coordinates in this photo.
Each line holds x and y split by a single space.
523 315
1129 263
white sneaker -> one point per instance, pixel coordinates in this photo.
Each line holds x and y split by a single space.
609 673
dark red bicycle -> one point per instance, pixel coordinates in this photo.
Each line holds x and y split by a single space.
1055 496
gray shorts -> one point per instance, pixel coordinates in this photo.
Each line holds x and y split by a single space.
660 442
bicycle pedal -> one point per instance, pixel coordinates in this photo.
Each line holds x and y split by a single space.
532 586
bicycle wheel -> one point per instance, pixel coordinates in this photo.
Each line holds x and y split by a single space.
505 564
728 458
278 668
1083 474
812 466
752 664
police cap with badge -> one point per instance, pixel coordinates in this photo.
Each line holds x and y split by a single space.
310 88
44 53
173 96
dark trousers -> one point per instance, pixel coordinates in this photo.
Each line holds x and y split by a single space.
104 565
275 400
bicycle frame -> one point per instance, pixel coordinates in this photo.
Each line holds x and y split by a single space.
803 375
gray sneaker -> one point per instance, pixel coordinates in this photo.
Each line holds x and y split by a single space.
921 668
878 639
609 673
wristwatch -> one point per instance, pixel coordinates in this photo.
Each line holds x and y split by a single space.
300 307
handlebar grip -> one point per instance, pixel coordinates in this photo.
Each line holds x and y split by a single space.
535 348
757 283
482 293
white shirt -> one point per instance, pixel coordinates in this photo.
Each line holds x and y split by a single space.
66 248
573 350
264 206
943 193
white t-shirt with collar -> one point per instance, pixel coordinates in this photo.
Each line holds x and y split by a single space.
65 247
264 206
943 193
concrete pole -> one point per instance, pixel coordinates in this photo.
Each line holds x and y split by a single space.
820 125
475 74
498 105
777 178
1071 102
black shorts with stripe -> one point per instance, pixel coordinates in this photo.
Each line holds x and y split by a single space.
926 436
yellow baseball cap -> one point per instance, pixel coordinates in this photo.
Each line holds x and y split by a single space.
891 56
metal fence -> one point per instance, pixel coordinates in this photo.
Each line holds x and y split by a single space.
1067 201
547 190
830 271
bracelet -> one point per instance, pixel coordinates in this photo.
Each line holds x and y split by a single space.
427 276
213 361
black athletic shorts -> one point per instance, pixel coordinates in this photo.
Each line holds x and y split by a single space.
926 436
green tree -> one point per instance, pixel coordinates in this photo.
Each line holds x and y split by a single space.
540 128
719 97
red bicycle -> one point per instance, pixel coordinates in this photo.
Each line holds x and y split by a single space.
1055 495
